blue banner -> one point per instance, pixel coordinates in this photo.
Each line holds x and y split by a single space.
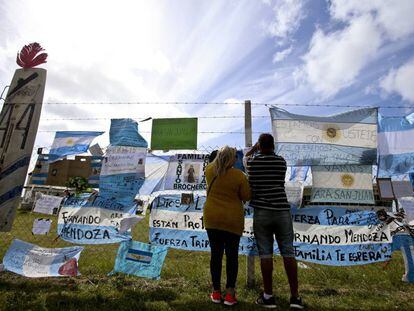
140 259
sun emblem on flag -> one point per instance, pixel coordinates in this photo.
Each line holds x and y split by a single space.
347 180
331 133
69 142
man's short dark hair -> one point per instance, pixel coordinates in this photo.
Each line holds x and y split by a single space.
266 141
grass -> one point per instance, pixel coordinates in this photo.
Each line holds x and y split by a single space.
185 282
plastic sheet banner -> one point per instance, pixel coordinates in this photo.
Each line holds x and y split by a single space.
33 261
92 220
140 259
186 172
324 235
342 184
174 134
346 138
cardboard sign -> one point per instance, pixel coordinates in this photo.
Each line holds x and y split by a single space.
173 134
47 204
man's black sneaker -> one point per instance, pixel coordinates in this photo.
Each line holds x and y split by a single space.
267 303
296 303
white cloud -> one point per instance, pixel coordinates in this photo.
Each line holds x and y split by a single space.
281 55
335 59
394 18
287 17
400 81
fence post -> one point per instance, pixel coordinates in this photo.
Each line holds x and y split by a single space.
249 143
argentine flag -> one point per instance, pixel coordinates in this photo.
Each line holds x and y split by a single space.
299 173
71 142
396 145
345 138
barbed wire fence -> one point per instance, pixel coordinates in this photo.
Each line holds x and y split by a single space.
99 259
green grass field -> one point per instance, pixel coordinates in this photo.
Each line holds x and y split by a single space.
185 282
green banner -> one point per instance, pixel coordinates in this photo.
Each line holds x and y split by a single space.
177 133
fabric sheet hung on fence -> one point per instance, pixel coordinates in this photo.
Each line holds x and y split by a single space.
346 138
325 235
186 172
342 184
396 145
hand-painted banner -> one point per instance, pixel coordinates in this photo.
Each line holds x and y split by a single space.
122 173
396 145
186 172
342 184
346 138
325 235
33 261
19 120
140 259
47 204
92 220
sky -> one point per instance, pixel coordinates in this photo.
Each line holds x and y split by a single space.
285 52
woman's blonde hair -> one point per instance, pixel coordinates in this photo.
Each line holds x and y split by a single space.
224 160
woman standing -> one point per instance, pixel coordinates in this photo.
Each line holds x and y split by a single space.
223 218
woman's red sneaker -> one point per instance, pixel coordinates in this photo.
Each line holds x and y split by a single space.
230 300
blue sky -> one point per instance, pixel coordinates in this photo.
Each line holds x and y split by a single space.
285 52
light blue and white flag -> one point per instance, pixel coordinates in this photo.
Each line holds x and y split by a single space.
33 261
342 184
299 173
396 145
92 219
71 142
140 259
346 138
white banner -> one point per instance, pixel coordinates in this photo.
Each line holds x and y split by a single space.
294 192
45 204
124 160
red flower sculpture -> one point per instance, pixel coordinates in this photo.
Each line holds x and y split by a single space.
29 56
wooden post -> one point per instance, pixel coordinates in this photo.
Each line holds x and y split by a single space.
249 143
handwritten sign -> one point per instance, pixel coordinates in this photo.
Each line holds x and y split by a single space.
41 226
47 204
186 172
325 235
173 134
33 261
93 220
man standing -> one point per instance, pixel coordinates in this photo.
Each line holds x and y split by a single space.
272 217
